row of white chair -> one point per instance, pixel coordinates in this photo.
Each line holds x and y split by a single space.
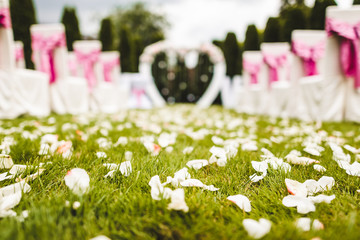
55 85
310 79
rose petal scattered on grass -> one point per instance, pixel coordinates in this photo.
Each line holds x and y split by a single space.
257 229
78 181
241 201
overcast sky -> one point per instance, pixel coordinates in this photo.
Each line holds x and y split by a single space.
192 21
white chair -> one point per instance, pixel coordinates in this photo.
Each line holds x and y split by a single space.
19 54
105 93
308 47
50 55
21 91
344 27
335 93
72 63
250 97
277 58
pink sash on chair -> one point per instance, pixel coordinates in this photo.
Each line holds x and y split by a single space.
5 20
309 55
108 67
253 69
349 47
274 63
46 46
88 60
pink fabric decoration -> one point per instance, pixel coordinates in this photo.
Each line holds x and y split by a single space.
309 55
349 47
108 67
19 54
72 66
88 60
274 63
253 69
5 20
138 94
46 46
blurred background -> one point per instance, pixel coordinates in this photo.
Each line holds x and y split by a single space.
128 26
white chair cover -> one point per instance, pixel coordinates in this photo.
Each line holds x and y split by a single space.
276 97
251 96
332 92
139 95
21 91
106 95
68 94
19 54
351 107
304 104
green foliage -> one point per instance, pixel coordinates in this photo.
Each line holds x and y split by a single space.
126 49
71 23
106 35
356 2
272 32
22 17
294 18
146 27
318 12
252 42
231 53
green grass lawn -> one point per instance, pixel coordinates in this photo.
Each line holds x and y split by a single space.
122 207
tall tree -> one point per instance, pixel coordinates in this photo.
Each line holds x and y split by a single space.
146 26
294 19
356 2
317 14
126 49
272 31
71 23
251 39
22 17
106 35
231 53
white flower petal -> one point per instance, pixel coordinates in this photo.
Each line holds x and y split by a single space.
125 168
241 201
217 140
322 198
101 155
326 183
78 181
191 183
188 150
21 186
211 188
319 168
6 161
197 164
178 201
257 229
259 166
303 224
295 187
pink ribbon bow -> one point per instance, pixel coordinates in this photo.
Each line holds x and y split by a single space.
108 67
88 60
138 94
274 63
5 20
19 54
309 55
349 46
46 46
253 69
